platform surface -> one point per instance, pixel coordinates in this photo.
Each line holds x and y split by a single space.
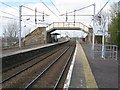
78 76
25 49
92 73
105 71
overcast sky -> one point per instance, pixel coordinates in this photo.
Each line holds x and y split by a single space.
59 7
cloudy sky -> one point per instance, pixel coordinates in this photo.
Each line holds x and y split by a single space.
9 10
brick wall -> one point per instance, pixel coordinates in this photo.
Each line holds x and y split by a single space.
38 36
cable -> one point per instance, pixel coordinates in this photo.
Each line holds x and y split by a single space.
77 9
50 9
102 8
8 13
54 6
8 17
34 10
8 5
17 11
13 18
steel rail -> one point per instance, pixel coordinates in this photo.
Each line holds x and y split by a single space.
30 59
45 70
15 74
64 68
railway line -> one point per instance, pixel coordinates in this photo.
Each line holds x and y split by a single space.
26 65
45 71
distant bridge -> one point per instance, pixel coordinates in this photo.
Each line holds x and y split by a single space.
67 26
43 34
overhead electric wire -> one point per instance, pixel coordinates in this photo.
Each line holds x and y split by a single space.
77 9
50 9
17 18
54 6
21 5
34 10
102 8
8 13
12 14
9 17
8 5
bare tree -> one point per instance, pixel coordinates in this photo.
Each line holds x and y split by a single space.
10 31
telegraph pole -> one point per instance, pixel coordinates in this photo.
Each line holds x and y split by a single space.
20 10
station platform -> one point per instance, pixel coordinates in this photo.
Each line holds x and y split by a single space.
22 49
25 49
88 73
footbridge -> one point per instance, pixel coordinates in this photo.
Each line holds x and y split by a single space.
68 26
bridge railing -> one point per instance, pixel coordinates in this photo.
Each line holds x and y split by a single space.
76 25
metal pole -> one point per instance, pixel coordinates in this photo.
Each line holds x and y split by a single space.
20 9
93 28
66 16
103 44
74 16
103 38
35 16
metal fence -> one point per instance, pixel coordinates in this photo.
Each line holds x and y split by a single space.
110 51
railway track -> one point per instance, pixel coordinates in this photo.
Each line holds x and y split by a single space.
43 52
27 65
51 69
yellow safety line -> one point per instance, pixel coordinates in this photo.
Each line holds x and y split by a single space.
90 80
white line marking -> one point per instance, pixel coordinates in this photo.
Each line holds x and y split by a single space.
68 79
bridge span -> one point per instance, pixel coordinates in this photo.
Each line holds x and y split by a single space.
43 34
68 26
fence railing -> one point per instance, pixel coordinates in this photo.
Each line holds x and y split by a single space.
110 51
